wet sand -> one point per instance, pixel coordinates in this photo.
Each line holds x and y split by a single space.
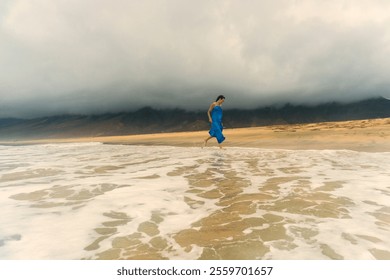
190 203
362 135
160 202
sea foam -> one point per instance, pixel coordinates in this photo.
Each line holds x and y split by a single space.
96 201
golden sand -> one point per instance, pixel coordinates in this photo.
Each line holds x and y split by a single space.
361 135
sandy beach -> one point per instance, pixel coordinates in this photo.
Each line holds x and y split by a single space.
361 135
313 191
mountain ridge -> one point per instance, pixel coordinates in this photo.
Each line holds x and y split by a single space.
150 120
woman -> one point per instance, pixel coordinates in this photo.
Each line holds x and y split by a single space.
215 118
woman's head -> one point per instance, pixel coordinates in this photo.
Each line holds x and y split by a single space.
220 97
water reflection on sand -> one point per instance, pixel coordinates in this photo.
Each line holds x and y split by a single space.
94 201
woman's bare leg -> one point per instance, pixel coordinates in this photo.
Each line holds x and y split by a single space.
205 141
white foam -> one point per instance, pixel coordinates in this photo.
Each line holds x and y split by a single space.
134 180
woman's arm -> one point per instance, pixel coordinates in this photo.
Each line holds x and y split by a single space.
209 111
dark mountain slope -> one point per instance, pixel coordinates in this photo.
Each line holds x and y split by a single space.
149 120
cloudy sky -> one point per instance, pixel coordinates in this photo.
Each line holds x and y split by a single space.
96 56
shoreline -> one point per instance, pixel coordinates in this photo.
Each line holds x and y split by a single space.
371 135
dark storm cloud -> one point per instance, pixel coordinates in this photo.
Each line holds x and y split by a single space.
95 56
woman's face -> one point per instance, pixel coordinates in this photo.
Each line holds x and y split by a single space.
221 100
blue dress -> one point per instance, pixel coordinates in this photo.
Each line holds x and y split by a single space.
216 124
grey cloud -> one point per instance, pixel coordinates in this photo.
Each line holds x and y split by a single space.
101 56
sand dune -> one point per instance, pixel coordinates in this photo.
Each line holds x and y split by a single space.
371 135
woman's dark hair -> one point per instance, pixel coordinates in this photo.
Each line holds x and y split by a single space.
220 97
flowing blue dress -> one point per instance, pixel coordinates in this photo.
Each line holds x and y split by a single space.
216 124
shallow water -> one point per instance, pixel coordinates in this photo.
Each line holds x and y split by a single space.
96 201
